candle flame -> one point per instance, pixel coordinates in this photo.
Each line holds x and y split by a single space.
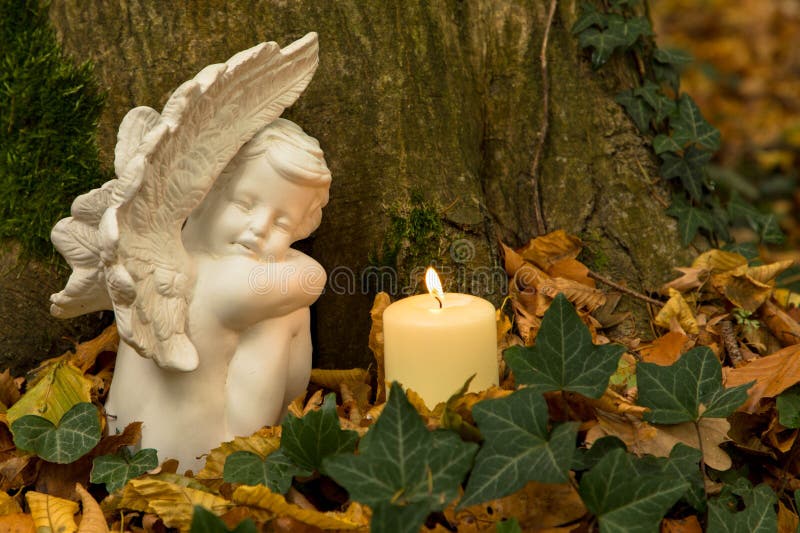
434 284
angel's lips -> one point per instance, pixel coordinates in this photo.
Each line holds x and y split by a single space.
249 247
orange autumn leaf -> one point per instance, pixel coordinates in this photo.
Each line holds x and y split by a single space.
381 302
741 289
18 523
773 374
690 524
92 519
577 293
780 324
665 350
512 261
788 521
571 269
548 249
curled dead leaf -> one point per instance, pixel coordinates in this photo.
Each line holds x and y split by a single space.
380 303
716 261
260 497
677 308
92 520
780 323
740 289
577 293
773 374
512 261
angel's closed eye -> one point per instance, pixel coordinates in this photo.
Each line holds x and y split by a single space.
283 224
244 205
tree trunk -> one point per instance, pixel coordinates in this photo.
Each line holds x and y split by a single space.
429 114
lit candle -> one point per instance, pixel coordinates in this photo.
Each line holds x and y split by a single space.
434 342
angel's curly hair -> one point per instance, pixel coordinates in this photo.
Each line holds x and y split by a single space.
296 157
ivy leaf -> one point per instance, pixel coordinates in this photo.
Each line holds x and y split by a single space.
638 109
518 447
690 168
403 471
77 433
683 463
666 73
789 407
664 143
588 458
117 468
690 219
626 500
564 357
509 525
656 99
672 56
765 224
589 17
308 440
676 393
690 126
603 43
275 472
758 516
204 521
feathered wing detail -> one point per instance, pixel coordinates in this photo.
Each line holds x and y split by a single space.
165 166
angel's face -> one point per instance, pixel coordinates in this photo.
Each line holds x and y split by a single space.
256 214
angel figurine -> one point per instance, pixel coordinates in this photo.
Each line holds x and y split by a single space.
190 246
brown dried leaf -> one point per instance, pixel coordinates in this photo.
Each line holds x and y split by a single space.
332 379
86 352
740 289
579 294
665 350
643 438
773 374
548 249
780 323
677 308
92 520
8 505
9 391
18 470
571 269
512 261
537 506
380 303
692 278
262 443
260 497
690 524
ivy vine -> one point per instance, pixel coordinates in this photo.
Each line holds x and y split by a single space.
682 138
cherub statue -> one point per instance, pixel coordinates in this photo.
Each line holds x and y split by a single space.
190 246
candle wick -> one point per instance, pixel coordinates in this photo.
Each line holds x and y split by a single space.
438 300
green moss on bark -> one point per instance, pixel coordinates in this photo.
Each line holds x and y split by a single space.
49 108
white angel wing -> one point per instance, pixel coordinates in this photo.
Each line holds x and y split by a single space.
148 274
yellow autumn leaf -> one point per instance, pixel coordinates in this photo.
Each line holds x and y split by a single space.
174 504
741 289
766 273
59 389
332 378
262 443
92 520
51 514
261 497
677 308
549 249
8 505
786 298
717 261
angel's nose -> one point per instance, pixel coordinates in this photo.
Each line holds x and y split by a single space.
260 223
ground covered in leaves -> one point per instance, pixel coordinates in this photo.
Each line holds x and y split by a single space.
696 429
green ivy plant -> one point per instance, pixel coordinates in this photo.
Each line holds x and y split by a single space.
682 138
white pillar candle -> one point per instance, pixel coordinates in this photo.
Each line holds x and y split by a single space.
433 350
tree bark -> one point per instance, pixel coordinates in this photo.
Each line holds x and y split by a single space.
438 100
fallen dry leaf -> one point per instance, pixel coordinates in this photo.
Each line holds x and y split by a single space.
548 249
740 289
788 521
692 278
17 523
9 391
780 323
512 261
643 438
571 269
664 350
690 524
8 505
380 303
537 507
51 514
92 519
773 374
260 497
577 293
677 308
716 261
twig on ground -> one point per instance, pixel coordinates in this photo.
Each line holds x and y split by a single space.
541 228
626 290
